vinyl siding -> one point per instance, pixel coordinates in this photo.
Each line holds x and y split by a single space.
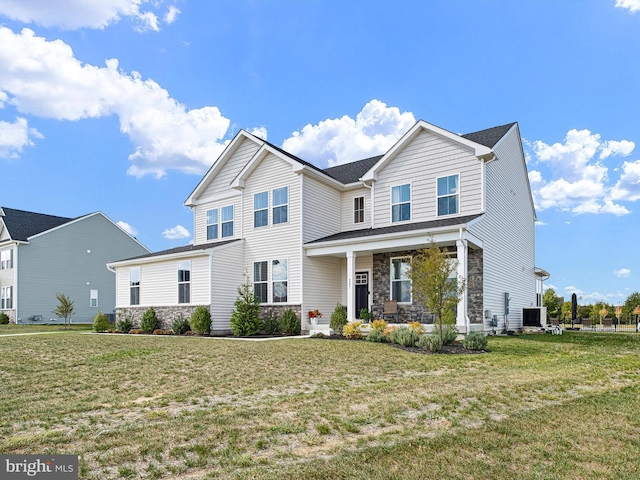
420 163
322 286
200 216
348 210
322 210
227 274
508 233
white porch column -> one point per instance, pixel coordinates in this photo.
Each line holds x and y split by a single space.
351 286
462 318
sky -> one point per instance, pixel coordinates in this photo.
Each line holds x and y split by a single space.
121 106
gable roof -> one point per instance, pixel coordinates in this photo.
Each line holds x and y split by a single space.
22 224
489 137
352 172
177 251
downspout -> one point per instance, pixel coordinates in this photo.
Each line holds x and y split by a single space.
371 223
15 283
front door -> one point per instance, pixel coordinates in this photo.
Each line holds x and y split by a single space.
362 292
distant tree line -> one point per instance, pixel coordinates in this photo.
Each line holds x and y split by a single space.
558 308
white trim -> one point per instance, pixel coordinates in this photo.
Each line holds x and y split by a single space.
178 282
391 259
272 281
440 196
261 209
369 273
274 206
351 287
207 224
227 194
391 204
222 222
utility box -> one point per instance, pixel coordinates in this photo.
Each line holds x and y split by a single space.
534 316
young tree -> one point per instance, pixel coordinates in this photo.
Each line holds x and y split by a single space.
630 304
432 283
245 318
550 300
64 308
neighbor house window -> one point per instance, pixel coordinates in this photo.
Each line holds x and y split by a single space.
212 224
6 298
358 210
227 221
280 205
400 282
184 281
401 203
279 278
134 286
6 259
260 281
261 209
93 298
448 195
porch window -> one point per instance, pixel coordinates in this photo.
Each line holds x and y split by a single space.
261 209
260 281
6 298
6 259
281 205
448 195
400 282
358 210
93 298
184 281
279 278
401 203
212 224
227 221
134 286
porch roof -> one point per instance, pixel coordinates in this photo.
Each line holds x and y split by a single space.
172 252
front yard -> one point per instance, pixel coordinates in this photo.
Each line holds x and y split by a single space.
173 407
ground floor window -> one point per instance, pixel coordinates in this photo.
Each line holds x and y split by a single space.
134 286
6 298
260 281
184 281
279 278
400 282
93 298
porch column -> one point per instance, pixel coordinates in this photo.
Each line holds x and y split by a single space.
462 319
351 286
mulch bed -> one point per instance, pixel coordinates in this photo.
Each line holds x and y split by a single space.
454 349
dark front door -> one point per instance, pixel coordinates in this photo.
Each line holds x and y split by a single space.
362 292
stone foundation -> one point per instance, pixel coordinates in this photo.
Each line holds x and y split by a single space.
266 310
166 315
11 314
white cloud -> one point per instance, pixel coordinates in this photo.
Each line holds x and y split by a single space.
339 140
175 233
44 78
631 5
260 132
15 136
612 147
78 14
628 185
127 228
622 273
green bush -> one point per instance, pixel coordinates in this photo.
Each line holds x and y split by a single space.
475 341
365 315
289 323
180 325
430 342
201 321
245 319
338 319
149 321
4 318
376 336
449 334
100 322
404 336
125 324
448 317
271 324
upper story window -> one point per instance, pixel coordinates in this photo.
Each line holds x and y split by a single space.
400 281
6 259
184 281
93 298
358 210
401 203
261 209
227 221
280 205
6 298
448 195
279 278
212 224
260 281
134 286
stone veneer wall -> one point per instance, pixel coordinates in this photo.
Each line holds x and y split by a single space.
11 314
266 310
475 286
166 315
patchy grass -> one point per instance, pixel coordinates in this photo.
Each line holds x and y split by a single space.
537 406
13 329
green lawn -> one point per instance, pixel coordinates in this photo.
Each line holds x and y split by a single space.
535 407
13 329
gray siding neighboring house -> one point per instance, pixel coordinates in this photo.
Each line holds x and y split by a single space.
52 255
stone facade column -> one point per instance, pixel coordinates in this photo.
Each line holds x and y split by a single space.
351 286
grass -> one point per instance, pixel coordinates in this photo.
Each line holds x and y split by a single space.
13 329
536 406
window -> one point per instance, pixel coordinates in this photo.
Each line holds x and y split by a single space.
6 259
184 281
6 298
212 224
261 209
134 286
400 282
93 298
279 277
358 210
448 195
260 281
280 205
227 221
401 203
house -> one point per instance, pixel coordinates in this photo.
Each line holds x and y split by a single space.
308 238
41 255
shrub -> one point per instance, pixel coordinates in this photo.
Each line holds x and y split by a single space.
475 341
4 318
376 336
407 337
201 320
352 330
135 331
338 319
149 321
100 322
159 331
448 317
365 315
389 330
181 325
271 324
245 319
416 327
379 325
125 324
449 334
430 342
289 323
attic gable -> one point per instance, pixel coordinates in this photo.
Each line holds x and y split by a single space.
21 225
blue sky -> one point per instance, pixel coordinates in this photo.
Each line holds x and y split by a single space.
121 105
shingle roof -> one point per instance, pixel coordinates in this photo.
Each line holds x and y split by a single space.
183 249
405 227
22 224
490 136
352 172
